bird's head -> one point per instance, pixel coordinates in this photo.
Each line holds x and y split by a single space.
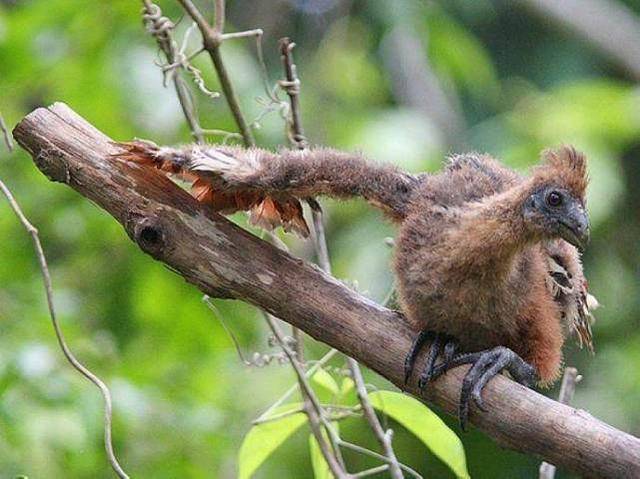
555 205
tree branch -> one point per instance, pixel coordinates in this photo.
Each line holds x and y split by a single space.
223 260
212 38
567 389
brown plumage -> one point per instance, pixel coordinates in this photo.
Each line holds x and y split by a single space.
270 185
484 255
470 265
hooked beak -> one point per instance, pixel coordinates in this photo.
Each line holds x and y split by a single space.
574 227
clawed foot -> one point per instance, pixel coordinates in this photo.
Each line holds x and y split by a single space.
485 365
441 345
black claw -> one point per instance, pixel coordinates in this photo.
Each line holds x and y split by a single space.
481 363
476 395
486 365
413 352
434 351
452 360
445 345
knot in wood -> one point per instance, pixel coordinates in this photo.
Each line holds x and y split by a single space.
212 41
150 236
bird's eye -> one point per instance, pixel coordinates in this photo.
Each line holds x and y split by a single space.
554 199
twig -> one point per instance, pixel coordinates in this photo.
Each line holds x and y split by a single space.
258 360
212 38
256 32
311 371
220 17
368 452
5 133
311 404
371 472
341 412
197 17
313 408
291 86
48 287
161 27
383 438
275 417
567 389
296 135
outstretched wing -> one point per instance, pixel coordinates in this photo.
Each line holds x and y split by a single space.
210 171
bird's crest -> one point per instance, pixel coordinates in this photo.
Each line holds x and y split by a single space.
566 167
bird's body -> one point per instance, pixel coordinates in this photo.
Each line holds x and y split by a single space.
464 269
485 258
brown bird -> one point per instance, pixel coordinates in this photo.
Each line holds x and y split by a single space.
487 261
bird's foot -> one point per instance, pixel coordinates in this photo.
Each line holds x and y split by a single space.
442 345
485 366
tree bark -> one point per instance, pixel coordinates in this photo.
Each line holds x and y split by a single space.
223 260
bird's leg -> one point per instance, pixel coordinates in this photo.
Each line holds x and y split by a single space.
485 365
442 345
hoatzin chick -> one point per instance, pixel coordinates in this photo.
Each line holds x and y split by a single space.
487 261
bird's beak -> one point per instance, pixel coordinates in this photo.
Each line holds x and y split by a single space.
574 227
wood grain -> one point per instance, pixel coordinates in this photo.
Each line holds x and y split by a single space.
223 260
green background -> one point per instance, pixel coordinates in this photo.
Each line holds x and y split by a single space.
514 83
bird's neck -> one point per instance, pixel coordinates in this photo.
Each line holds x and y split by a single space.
492 234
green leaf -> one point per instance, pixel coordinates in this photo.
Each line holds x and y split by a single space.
324 379
320 467
263 439
426 425
346 386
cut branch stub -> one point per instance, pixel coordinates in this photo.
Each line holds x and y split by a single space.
223 260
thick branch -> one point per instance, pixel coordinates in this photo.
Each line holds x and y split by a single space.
223 260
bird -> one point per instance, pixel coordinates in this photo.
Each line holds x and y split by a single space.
487 260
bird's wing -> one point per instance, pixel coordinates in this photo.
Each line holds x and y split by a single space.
209 170
568 286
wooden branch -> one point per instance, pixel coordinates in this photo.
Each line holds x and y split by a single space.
567 389
223 260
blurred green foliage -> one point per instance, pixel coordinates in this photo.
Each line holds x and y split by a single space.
183 401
